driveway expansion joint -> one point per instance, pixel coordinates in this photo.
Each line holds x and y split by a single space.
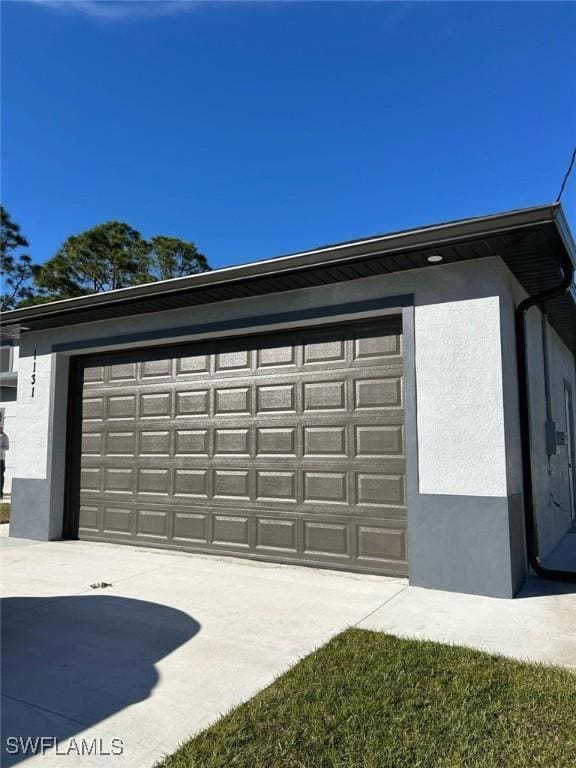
45 709
379 607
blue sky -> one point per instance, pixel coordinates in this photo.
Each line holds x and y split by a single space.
257 129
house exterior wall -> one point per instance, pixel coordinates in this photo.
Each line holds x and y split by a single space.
8 403
9 407
551 485
463 525
550 473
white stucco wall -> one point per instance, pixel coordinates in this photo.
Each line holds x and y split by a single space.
10 429
9 405
30 454
460 418
461 442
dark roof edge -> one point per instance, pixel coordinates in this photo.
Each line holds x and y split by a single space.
568 241
434 235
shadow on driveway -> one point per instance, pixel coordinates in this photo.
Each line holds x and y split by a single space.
70 662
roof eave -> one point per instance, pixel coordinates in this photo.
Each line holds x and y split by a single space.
427 237
569 245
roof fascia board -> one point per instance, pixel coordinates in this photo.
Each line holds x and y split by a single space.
569 244
427 237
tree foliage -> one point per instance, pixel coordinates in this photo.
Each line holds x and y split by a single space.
115 255
170 257
16 268
109 256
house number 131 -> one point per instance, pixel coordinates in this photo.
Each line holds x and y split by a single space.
33 376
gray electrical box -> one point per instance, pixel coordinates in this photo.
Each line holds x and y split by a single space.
561 438
551 440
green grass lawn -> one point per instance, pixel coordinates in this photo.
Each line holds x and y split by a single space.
4 512
368 700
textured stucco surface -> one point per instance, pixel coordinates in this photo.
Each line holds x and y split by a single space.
33 411
461 445
468 544
9 406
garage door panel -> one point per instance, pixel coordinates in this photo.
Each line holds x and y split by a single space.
380 342
90 518
325 487
192 403
181 377
378 440
286 386
193 483
190 494
193 365
156 369
118 520
381 543
155 481
276 356
92 444
190 526
324 395
370 344
232 401
276 441
378 393
312 439
232 484
273 533
120 480
121 372
276 485
93 409
315 484
362 544
156 405
231 530
276 398
93 374
232 442
90 480
197 420
121 443
287 447
152 522
326 538
154 444
121 407
377 488
325 348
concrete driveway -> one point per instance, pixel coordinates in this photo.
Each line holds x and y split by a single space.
174 642
179 639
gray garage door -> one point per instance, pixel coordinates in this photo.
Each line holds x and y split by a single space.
286 447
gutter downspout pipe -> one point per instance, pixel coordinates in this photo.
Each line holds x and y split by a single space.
567 270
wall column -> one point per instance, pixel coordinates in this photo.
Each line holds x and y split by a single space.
40 458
